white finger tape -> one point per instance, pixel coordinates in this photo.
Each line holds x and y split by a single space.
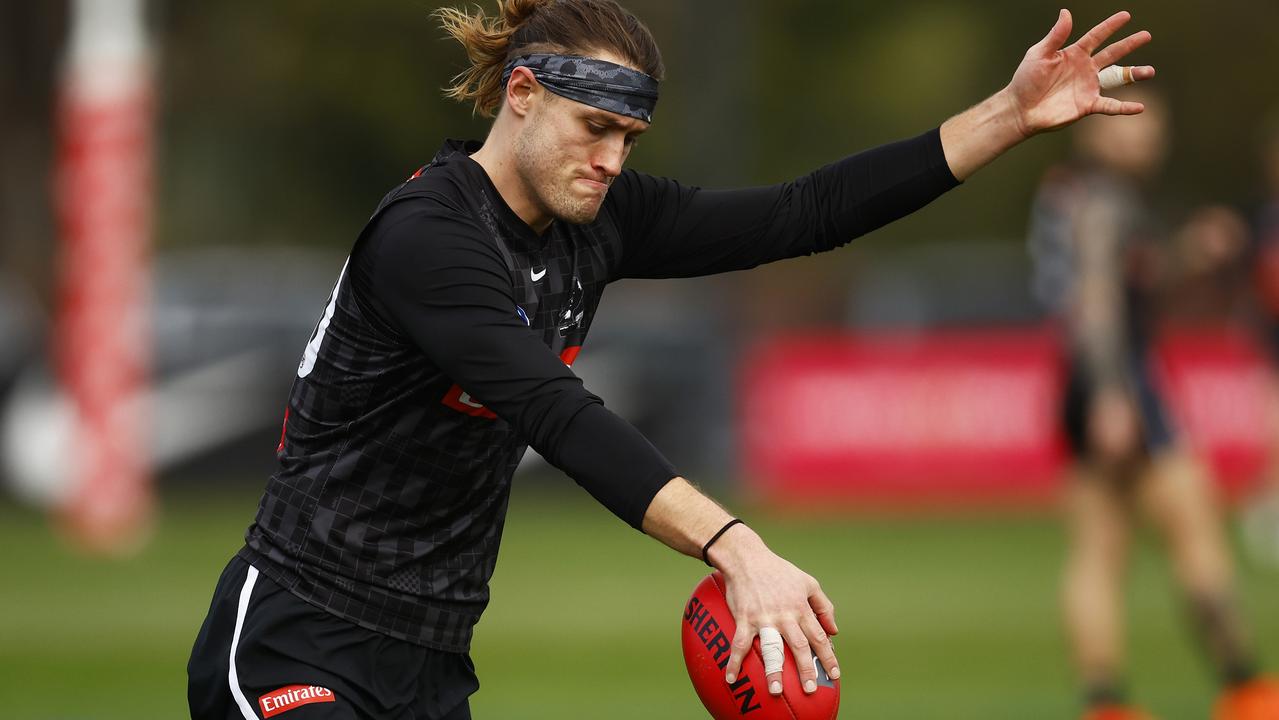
771 649
1115 76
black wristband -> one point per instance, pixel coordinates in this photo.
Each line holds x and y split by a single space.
715 537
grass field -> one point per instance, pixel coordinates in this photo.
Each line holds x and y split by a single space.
940 617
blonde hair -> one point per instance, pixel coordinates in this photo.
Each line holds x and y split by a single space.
522 27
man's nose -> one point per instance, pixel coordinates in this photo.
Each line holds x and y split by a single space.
611 156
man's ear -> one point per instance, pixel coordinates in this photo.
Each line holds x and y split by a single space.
522 91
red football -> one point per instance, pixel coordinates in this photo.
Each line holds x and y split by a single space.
707 631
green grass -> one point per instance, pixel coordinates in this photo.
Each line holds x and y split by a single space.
940 617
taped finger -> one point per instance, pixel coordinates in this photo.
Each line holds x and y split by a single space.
1114 76
771 649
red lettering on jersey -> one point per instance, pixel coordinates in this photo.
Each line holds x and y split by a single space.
293 696
457 399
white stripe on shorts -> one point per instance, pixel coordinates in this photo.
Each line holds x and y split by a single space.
232 677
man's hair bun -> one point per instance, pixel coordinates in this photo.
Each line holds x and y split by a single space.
523 27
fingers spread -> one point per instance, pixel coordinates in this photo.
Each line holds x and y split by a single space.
1057 36
742 641
822 647
1098 35
1113 52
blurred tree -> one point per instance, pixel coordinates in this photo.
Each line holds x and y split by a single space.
284 122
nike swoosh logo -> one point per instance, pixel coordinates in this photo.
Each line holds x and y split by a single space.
537 275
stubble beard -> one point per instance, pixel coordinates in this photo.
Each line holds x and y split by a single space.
546 181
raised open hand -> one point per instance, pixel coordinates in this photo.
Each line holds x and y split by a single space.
1054 86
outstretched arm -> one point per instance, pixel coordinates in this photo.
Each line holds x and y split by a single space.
1053 87
673 230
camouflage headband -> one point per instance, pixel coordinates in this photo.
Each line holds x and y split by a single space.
598 83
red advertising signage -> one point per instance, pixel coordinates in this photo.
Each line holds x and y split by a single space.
969 417
1220 391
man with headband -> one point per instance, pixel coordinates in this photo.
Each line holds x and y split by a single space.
446 345
591 81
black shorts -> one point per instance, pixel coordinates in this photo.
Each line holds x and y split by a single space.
264 652
1156 424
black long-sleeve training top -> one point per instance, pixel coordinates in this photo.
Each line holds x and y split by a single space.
444 351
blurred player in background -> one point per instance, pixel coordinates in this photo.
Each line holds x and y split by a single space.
1261 516
1097 243
1208 282
443 353
1267 227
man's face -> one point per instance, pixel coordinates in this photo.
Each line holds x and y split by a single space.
568 153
